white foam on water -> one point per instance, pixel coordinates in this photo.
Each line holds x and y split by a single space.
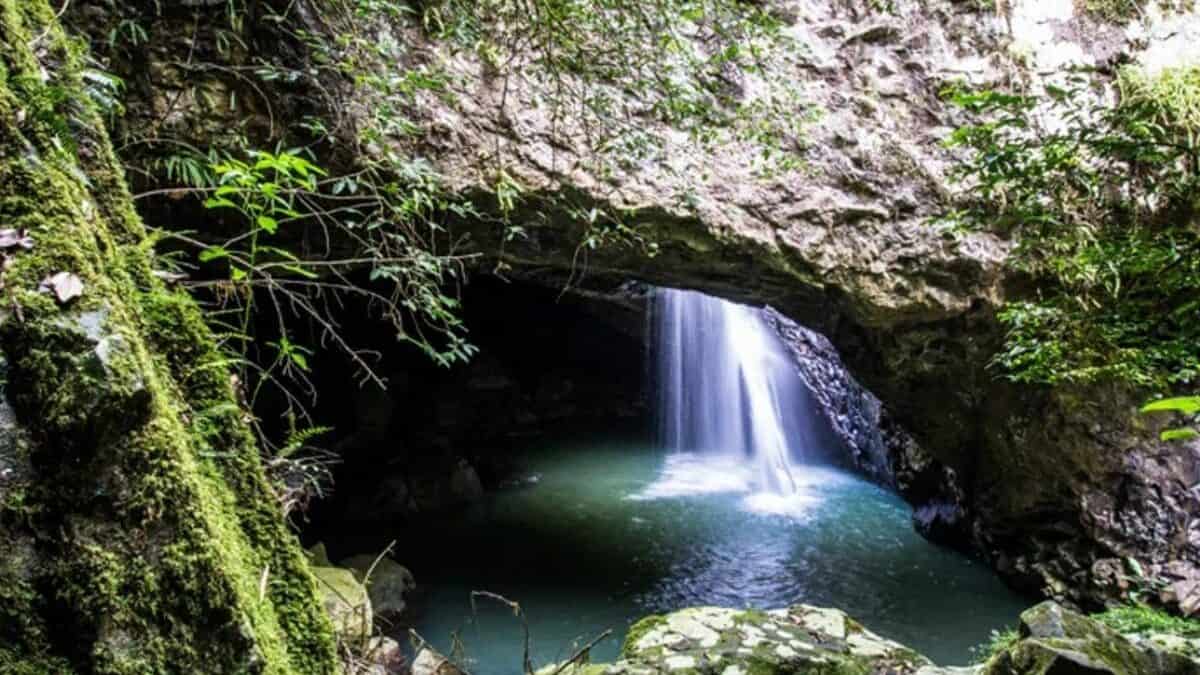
727 388
689 475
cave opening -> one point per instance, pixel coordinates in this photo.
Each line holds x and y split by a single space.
541 471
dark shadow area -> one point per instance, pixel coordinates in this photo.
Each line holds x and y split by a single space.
548 364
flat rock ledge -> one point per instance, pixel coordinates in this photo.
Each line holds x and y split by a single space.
804 639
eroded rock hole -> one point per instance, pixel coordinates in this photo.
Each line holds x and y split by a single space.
549 470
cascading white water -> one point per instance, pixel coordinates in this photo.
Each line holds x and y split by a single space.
727 389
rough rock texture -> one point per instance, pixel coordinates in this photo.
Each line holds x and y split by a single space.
1059 641
1059 487
805 639
387 582
139 533
798 639
874 441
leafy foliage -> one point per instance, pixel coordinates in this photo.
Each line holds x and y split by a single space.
1100 200
279 197
998 641
1188 406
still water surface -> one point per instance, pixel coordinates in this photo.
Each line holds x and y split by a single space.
600 535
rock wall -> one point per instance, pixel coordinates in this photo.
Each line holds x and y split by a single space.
1060 488
874 442
139 533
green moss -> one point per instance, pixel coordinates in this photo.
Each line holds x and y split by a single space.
638 630
1114 11
754 617
1139 619
149 539
999 641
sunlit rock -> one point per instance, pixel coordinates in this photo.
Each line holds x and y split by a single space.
345 600
386 580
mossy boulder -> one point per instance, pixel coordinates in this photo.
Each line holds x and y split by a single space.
387 582
804 639
346 601
751 642
1054 640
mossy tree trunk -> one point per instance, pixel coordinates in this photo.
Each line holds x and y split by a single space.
137 531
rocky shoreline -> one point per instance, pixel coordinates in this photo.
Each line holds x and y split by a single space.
1049 640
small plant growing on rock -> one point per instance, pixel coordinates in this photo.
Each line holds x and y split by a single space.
1100 200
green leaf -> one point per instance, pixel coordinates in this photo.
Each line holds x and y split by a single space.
301 272
219 203
213 253
1188 405
299 359
1179 434
268 224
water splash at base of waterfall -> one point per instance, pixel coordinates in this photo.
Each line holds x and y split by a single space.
732 408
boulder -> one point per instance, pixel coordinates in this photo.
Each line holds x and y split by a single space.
385 657
317 556
1057 641
388 583
798 639
429 662
345 600
451 486
803 639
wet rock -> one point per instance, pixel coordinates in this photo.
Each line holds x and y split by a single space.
873 441
459 485
464 483
941 522
387 500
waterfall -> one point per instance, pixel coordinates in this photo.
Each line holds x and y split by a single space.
727 388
